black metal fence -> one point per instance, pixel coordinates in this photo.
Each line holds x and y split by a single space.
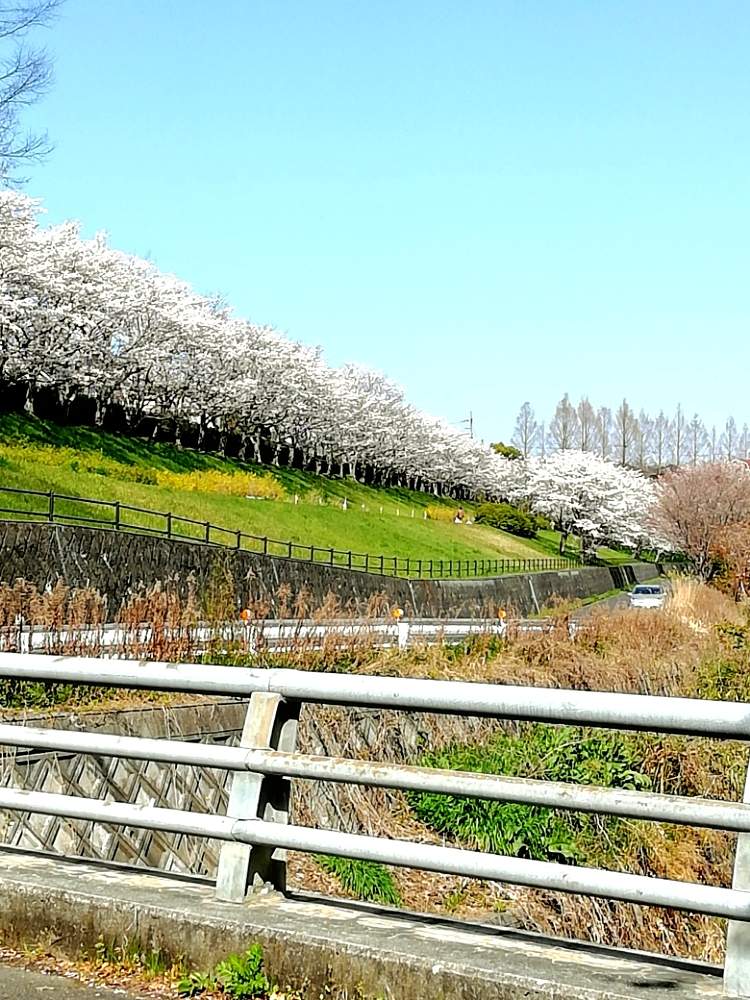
57 508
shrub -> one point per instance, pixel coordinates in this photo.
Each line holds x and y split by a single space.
541 522
506 517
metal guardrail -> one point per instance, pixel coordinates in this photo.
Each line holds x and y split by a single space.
268 636
256 830
58 508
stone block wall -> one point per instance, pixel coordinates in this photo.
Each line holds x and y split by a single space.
118 564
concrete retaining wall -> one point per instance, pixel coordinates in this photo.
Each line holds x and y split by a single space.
119 564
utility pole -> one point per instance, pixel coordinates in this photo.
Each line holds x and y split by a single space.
469 423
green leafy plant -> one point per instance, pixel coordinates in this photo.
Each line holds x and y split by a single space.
240 976
194 983
366 880
557 754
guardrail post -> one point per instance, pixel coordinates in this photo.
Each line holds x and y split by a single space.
270 724
51 507
117 515
403 633
737 961
24 635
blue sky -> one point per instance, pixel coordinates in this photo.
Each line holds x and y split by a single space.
489 201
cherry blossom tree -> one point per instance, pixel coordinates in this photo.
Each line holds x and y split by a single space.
591 498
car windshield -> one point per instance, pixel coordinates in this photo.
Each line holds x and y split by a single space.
647 590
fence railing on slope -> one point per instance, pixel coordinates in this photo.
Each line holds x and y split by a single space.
256 830
58 508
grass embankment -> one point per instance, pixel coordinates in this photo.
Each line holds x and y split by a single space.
307 509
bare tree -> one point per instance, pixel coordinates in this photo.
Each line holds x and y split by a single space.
25 76
587 425
526 433
643 436
660 439
731 549
696 505
744 441
713 444
696 439
563 431
728 442
604 430
678 436
625 431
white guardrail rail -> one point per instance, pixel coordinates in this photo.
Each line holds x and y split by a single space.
256 830
274 635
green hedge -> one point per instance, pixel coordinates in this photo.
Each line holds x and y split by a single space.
506 517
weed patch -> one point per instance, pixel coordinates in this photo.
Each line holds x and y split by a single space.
364 880
542 752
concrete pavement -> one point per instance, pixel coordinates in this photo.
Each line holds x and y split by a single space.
22 984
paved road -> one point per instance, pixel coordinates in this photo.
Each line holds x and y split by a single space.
19 984
616 603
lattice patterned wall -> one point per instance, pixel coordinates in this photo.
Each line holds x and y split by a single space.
142 782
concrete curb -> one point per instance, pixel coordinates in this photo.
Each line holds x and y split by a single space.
399 956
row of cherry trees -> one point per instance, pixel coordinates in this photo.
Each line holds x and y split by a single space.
107 337
98 336
640 439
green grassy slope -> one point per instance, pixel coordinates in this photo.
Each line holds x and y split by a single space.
78 461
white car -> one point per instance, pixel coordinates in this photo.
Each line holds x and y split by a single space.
647 595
